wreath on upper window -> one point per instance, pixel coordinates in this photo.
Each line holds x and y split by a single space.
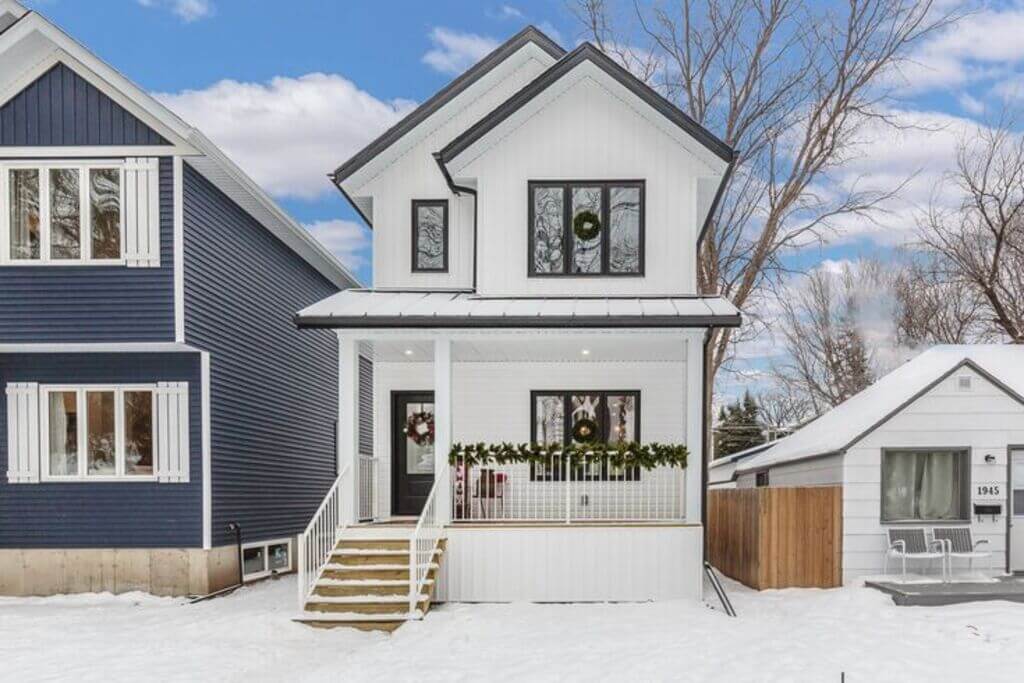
420 428
586 225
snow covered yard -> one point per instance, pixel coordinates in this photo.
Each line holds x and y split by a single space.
791 635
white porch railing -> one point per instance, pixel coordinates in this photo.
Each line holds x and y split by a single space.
422 545
318 540
553 490
368 478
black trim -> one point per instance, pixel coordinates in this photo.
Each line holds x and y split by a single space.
715 202
577 474
567 233
415 231
587 52
457 190
530 34
504 322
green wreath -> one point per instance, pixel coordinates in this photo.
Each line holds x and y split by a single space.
586 225
584 431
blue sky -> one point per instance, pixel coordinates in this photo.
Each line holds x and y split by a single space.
290 90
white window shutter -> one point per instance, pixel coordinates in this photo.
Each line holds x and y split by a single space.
142 212
172 442
22 433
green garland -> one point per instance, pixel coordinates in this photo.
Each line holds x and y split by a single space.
632 454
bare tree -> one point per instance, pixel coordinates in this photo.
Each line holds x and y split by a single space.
827 359
978 247
783 410
788 84
934 308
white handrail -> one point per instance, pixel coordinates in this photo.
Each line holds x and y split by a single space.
317 542
422 546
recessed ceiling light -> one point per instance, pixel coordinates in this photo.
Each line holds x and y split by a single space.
585 352
408 352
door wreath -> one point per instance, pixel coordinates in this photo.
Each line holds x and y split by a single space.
420 428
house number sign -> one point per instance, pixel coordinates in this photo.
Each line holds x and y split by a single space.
988 491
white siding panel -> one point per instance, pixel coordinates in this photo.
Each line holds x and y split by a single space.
984 419
571 564
826 471
587 132
415 175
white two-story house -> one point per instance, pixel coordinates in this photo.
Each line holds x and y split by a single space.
536 226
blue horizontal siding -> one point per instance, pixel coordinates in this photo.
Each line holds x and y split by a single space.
62 108
94 303
273 387
108 514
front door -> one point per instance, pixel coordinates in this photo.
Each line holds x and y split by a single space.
412 450
1016 516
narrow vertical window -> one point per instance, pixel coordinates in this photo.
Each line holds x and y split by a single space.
63 428
624 229
430 236
587 225
24 213
138 433
105 209
548 229
101 438
65 214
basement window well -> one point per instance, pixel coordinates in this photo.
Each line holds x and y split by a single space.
261 559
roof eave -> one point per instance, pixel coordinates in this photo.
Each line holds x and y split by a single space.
508 322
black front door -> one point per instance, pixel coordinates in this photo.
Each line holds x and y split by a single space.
412 450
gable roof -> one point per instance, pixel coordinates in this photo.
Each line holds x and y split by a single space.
846 424
530 34
184 139
586 52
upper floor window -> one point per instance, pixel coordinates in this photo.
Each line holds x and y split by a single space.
586 228
430 235
62 213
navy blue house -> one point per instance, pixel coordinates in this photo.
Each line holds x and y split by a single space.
155 388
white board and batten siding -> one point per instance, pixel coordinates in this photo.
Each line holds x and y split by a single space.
983 419
411 173
572 564
584 129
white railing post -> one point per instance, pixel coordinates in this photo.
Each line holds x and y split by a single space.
316 542
694 421
348 422
442 422
567 481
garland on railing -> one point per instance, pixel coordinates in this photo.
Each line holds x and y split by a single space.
632 454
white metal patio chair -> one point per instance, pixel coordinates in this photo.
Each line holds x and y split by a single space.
958 543
911 543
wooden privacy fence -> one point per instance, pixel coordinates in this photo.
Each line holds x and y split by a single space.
777 537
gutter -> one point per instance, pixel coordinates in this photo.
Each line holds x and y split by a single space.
505 322
458 190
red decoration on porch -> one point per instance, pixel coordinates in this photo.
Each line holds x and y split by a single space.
420 428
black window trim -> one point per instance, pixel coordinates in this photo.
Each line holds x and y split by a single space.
415 230
567 236
965 494
566 395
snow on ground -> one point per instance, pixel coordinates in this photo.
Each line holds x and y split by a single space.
790 635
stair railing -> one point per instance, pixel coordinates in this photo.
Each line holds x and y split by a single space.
422 544
316 543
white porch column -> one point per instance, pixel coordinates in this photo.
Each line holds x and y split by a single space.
694 423
442 426
348 425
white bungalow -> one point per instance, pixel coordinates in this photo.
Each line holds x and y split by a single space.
938 442
536 226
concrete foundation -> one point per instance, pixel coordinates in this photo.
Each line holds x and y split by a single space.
160 571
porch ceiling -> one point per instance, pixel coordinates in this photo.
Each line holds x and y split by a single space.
585 348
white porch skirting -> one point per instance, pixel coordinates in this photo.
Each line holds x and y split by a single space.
571 563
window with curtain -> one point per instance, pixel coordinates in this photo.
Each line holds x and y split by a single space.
925 485
577 417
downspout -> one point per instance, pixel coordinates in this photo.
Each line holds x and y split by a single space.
458 190
704 433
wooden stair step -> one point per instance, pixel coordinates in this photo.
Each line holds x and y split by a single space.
373 543
363 622
364 608
359 573
334 587
349 557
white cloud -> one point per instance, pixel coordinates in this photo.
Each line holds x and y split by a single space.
454 51
187 10
288 133
509 12
971 105
347 240
980 46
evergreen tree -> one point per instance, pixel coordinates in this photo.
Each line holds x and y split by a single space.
739 426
